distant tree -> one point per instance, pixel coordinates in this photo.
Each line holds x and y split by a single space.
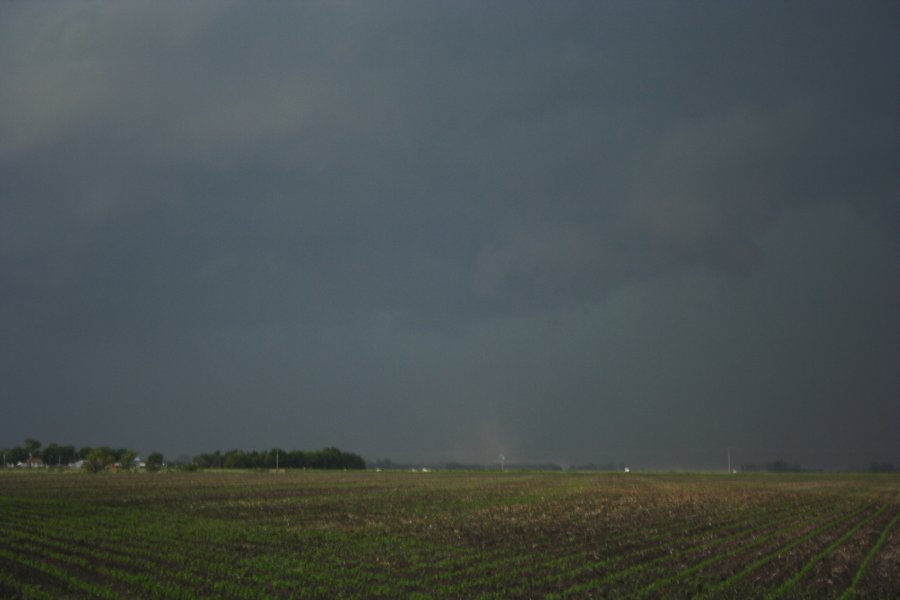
236 459
16 455
155 461
83 452
332 458
877 467
126 458
213 460
52 455
98 459
353 461
328 458
295 459
780 466
273 458
67 453
56 455
254 460
777 466
32 446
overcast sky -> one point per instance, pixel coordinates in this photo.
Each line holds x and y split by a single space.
561 231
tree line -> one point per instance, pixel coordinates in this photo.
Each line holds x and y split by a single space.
98 458
327 458
93 458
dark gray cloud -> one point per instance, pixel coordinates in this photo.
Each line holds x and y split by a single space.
571 232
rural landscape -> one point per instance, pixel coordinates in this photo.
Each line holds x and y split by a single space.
385 534
417 299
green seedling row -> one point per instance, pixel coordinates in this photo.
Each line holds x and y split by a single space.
851 591
253 535
757 564
787 585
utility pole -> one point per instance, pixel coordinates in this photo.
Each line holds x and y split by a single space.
729 460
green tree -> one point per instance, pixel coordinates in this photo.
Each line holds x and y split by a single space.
67 453
32 446
354 461
295 459
17 455
273 458
52 455
126 459
235 459
56 455
155 461
207 460
98 459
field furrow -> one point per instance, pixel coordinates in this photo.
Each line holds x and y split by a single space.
875 553
252 535
833 575
779 560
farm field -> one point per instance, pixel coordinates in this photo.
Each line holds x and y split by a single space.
309 534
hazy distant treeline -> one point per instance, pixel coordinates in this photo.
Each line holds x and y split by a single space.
781 466
387 463
327 458
776 466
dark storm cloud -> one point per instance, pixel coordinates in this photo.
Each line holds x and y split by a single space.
446 231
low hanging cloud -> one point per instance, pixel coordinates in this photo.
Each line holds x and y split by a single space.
701 194
499 228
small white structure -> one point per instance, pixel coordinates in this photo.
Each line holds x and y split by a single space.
627 470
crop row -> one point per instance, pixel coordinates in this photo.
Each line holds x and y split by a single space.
661 577
851 590
449 535
193 569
